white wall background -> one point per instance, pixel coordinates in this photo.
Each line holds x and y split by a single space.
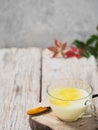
26 23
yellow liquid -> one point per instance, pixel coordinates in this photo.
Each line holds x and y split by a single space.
66 95
69 103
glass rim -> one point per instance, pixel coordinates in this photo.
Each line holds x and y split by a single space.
89 94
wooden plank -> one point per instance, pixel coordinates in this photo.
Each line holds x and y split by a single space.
49 121
19 86
54 69
58 68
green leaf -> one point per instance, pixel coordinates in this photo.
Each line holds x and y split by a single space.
97 28
90 46
94 37
90 41
92 51
86 54
96 45
79 44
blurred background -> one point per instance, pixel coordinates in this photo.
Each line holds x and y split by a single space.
36 23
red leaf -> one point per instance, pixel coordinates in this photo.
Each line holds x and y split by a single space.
55 55
54 49
64 46
78 56
70 54
59 48
80 50
74 49
57 43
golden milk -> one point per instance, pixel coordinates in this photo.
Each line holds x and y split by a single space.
68 103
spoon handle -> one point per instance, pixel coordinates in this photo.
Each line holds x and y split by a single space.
95 95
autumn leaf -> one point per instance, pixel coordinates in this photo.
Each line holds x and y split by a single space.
57 43
74 52
58 49
54 49
77 49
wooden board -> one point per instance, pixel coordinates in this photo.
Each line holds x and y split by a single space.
54 69
50 122
19 86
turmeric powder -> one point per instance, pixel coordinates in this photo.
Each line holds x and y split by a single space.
38 110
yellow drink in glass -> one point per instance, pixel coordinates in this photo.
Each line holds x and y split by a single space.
69 102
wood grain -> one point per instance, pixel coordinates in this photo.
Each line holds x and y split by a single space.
50 122
24 76
19 86
54 69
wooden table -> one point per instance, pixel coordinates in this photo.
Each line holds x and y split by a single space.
24 76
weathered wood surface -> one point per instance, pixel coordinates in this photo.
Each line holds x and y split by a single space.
19 86
54 69
58 68
50 122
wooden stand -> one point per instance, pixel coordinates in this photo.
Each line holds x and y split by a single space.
49 121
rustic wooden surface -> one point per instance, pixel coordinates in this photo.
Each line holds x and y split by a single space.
19 86
50 122
54 69
24 76
59 68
